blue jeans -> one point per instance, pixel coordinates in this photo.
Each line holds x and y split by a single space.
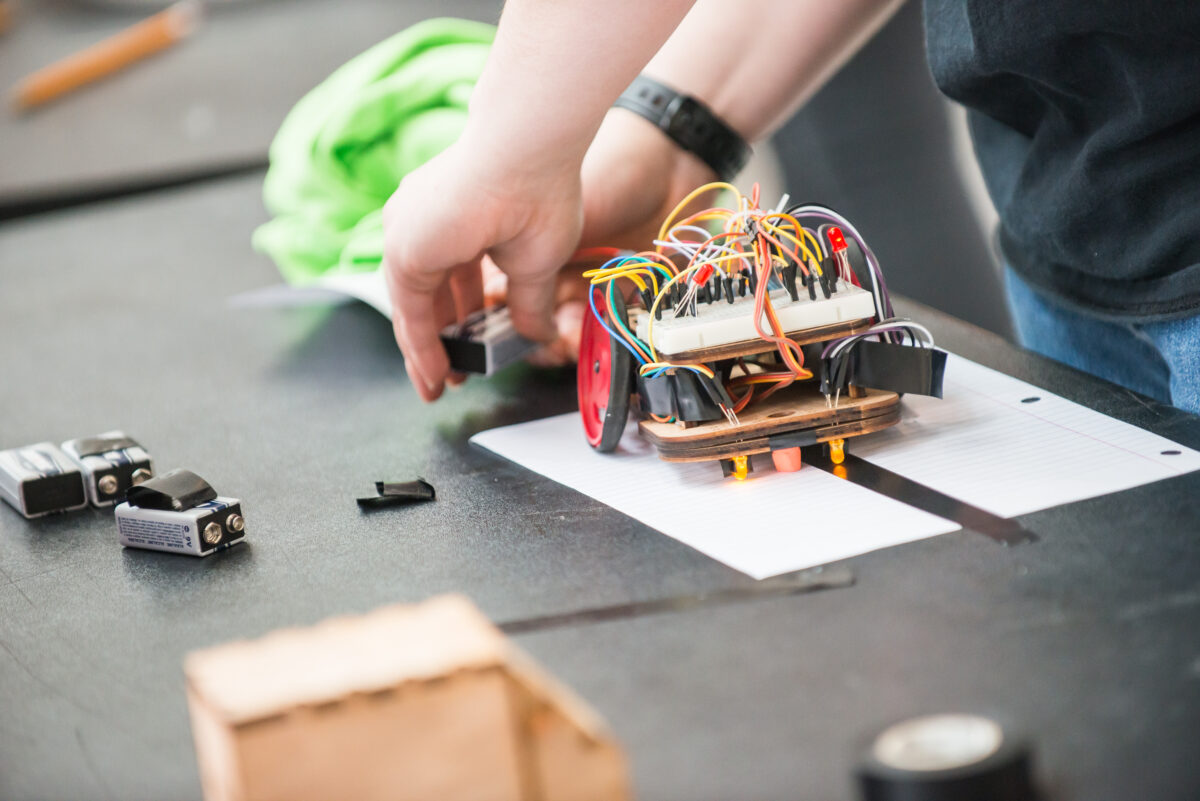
1160 359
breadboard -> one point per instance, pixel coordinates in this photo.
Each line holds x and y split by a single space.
722 323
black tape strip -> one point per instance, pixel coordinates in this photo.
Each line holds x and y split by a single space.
401 493
792 439
898 368
172 492
684 394
804 581
94 446
897 487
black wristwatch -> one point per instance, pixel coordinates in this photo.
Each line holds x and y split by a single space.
689 123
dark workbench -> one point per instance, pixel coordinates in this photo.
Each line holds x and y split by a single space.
115 316
210 104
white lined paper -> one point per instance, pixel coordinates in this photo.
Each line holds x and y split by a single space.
987 443
772 523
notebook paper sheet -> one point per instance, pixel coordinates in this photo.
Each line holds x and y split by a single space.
770 524
1011 448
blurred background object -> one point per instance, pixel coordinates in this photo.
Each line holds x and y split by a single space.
878 143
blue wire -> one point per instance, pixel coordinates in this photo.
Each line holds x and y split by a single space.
599 319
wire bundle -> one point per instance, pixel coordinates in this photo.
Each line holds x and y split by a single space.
720 247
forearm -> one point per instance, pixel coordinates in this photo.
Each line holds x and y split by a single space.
754 62
556 67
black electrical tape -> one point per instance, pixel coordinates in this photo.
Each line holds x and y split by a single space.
716 390
792 439
692 398
898 368
399 493
657 395
94 446
172 492
684 394
1006 774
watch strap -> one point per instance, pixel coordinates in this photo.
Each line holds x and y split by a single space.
689 123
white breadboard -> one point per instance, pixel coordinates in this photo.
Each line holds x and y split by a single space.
722 323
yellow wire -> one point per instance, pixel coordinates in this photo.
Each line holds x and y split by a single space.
645 368
662 231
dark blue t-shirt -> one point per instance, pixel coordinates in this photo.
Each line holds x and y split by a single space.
1085 116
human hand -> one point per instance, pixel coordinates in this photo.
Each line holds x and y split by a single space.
633 176
525 215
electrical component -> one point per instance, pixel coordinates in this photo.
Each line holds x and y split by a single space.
111 463
40 479
837 450
838 249
792 278
484 342
684 394
179 512
738 467
726 323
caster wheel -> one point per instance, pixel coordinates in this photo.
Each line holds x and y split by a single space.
604 379
786 460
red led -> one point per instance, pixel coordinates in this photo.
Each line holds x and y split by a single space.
702 274
836 240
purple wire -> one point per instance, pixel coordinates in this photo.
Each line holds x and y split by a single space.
879 330
872 262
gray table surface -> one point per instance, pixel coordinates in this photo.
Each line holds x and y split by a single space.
215 100
115 316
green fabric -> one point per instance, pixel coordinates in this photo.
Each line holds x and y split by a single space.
343 149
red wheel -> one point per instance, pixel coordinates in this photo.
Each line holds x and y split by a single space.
605 381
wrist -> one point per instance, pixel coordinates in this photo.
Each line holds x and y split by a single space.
689 123
511 158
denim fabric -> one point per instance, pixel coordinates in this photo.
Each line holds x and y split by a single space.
1159 359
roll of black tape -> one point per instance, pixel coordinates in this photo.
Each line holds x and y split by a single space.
948 757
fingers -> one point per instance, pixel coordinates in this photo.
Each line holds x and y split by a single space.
530 304
495 282
422 305
568 319
466 285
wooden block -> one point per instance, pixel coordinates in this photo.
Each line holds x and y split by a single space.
406 702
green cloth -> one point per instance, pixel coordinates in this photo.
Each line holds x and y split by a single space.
343 149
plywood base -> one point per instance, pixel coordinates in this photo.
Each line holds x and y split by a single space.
796 409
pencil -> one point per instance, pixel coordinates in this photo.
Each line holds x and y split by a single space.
6 15
104 58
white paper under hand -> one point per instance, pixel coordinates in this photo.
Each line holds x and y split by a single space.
772 523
